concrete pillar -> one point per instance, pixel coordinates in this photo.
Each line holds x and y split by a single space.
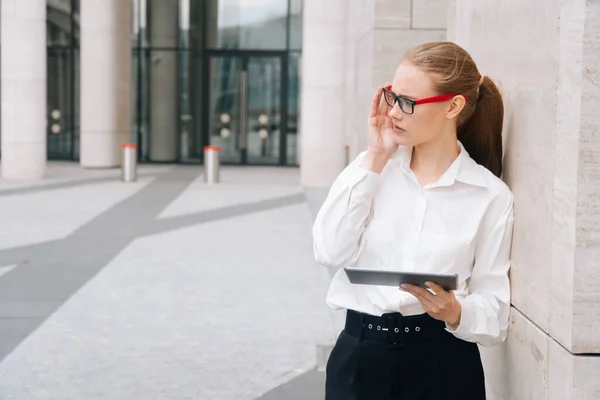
105 81
163 29
23 72
323 83
548 66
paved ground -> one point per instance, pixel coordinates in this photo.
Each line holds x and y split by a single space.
161 289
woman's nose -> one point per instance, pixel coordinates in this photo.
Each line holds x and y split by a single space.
395 112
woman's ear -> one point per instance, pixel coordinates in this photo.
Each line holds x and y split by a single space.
456 106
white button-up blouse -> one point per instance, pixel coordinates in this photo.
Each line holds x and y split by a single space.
460 224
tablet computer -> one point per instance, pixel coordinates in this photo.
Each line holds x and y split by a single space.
395 278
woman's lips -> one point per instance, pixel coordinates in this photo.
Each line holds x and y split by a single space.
397 129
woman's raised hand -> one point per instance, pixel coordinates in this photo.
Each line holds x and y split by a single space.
380 140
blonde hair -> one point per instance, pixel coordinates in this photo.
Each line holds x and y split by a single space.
479 125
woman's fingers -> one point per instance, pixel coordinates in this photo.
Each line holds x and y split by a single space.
427 304
415 289
441 305
424 297
437 289
375 103
383 105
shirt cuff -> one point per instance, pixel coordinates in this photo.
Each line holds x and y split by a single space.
462 330
360 179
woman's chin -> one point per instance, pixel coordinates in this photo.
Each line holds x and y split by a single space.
402 139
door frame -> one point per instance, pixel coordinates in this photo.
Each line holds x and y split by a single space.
244 55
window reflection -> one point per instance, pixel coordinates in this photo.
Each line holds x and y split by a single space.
295 32
247 24
62 37
183 88
62 22
172 42
293 108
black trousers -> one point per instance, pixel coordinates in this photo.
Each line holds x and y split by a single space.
402 358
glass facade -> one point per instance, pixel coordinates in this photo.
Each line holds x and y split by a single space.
62 36
247 24
204 72
216 72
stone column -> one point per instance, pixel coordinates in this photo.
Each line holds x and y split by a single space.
163 31
547 64
23 71
105 81
322 123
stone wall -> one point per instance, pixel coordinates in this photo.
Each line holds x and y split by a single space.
545 55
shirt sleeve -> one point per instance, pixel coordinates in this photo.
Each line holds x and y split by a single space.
486 309
342 218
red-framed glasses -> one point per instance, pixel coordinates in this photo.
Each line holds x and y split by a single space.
408 105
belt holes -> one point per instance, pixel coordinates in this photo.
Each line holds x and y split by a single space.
406 329
370 326
417 329
397 330
378 327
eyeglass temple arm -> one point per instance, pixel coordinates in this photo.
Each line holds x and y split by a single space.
433 99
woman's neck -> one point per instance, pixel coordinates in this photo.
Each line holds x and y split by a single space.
430 160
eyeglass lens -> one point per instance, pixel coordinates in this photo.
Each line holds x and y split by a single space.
405 105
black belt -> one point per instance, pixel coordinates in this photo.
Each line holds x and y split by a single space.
394 328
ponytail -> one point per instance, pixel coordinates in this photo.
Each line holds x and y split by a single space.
481 133
479 125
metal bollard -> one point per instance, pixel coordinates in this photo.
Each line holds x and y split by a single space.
347 155
129 163
211 164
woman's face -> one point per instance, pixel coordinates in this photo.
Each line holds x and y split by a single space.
428 121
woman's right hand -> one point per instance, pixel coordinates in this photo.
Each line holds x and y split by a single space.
380 141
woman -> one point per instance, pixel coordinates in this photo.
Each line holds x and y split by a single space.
425 196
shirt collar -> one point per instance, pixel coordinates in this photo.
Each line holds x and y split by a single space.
470 172
463 169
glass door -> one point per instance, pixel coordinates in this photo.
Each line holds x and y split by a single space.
245 108
263 110
224 107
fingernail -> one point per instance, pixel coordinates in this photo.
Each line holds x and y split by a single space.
403 286
427 284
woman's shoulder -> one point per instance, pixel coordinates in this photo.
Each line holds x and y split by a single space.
499 193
